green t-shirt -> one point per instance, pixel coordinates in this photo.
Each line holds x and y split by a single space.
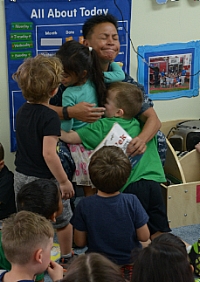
149 167
4 263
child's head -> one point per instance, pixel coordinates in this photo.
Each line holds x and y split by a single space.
27 238
81 63
172 240
164 262
93 267
109 169
76 60
123 100
39 78
41 196
1 156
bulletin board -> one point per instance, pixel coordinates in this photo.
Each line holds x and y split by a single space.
170 61
41 27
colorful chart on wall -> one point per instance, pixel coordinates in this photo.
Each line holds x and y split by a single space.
41 27
169 71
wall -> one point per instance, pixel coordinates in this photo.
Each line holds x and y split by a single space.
4 98
152 24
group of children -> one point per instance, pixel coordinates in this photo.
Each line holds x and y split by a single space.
27 237
127 209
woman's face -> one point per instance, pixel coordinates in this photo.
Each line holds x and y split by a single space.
105 41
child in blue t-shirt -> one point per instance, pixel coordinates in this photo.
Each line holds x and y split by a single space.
110 222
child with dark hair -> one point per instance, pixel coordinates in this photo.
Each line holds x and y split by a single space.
172 240
46 202
110 222
41 196
83 78
192 252
165 259
7 195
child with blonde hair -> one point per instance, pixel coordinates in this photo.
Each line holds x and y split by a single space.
27 240
37 133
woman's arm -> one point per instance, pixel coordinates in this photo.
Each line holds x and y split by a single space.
151 126
83 111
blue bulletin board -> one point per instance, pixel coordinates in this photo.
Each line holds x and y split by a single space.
41 27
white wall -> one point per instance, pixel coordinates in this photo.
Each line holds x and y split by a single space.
152 24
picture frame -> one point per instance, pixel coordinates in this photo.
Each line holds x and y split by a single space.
169 71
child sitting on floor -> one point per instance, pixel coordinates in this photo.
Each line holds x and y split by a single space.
27 240
110 222
93 267
165 259
41 196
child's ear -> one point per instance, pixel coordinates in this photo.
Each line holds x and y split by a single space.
119 113
1 164
38 256
53 92
53 217
192 267
84 73
85 42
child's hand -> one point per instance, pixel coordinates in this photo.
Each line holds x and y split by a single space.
67 190
197 147
55 271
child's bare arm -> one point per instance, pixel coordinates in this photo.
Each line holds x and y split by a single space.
80 238
143 233
116 73
70 137
54 164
